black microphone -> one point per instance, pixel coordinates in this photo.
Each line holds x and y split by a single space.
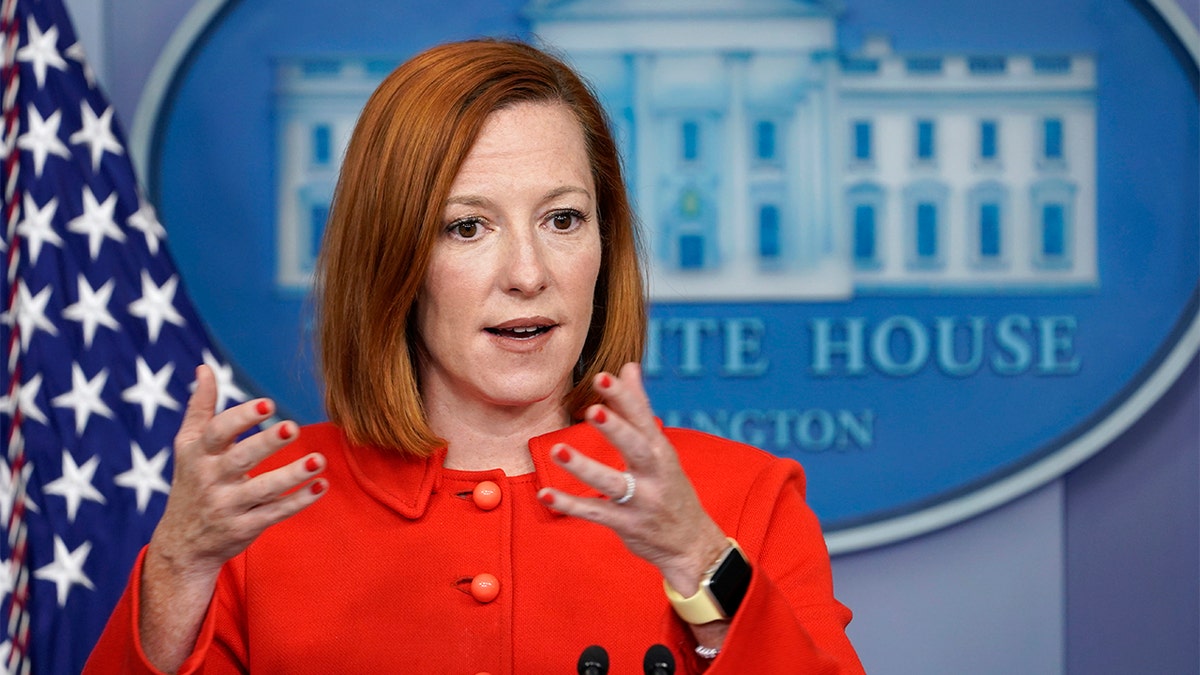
593 661
659 661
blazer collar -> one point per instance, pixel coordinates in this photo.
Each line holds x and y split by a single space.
405 484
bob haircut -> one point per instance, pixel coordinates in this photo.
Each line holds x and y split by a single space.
410 141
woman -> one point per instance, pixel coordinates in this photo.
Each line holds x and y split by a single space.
493 493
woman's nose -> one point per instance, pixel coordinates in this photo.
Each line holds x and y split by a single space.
526 270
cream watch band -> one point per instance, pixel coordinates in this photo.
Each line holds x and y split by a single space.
700 607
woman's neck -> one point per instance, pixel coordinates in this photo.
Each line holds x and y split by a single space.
483 437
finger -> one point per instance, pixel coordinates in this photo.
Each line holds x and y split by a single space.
625 394
254 521
250 452
599 511
597 475
200 405
225 428
277 484
634 444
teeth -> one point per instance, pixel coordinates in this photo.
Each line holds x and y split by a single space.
526 329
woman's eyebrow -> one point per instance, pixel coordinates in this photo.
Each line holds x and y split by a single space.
480 200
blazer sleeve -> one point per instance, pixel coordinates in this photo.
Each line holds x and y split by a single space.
789 620
119 649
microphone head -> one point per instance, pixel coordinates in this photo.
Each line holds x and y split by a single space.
593 661
658 659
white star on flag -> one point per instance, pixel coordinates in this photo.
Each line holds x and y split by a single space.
156 305
97 134
91 309
76 53
31 313
27 400
67 569
75 484
6 581
7 497
151 391
37 227
226 389
42 138
97 222
145 220
85 397
145 476
41 50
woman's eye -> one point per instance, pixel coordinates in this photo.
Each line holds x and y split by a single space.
565 220
464 229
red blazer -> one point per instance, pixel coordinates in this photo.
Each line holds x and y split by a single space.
376 575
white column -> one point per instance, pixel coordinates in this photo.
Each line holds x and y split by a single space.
737 229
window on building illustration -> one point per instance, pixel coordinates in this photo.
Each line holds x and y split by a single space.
764 140
987 65
924 65
380 67
927 231
691 251
925 208
1054 232
769 245
989 132
690 132
853 65
865 208
1052 138
989 231
1051 65
1053 201
862 141
864 234
925 146
986 229
318 214
322 145
322 68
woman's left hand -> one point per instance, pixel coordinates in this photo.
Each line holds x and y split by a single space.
664 522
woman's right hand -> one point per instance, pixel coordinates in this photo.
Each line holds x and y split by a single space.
215 510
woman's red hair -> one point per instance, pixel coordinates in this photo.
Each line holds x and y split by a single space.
408 145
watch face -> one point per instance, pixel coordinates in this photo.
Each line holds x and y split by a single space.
729 583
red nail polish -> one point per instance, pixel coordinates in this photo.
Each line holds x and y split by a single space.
311 464
605 381
285 432
546 498
263 407
317 487
599 417
563 455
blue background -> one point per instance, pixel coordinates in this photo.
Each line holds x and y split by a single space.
935 436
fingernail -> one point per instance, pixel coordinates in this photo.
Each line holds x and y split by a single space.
263 407
563 455
605 381
311 464
599 417
285 432
546 498
317 487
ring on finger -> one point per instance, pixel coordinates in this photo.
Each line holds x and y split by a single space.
630 488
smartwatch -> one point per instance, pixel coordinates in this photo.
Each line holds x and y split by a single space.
721 589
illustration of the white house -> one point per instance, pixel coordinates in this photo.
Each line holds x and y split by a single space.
768 164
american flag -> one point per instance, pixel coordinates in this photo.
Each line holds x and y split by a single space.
101 345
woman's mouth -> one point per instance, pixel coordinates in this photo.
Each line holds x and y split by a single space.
520 332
